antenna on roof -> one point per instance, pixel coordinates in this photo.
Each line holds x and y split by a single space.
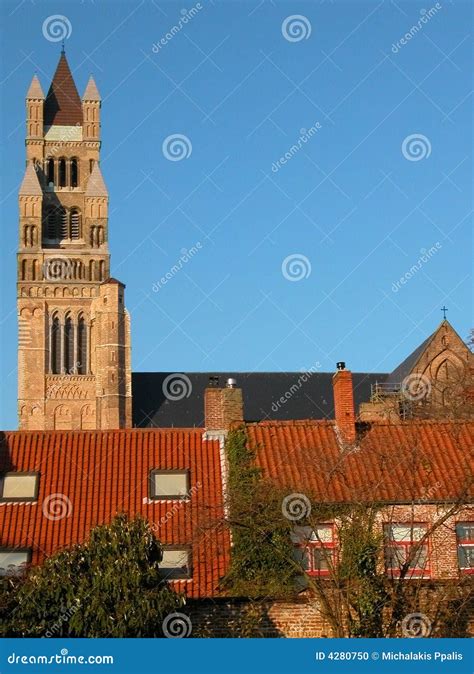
444 310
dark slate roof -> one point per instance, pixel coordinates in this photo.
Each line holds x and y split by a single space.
310 399
63 106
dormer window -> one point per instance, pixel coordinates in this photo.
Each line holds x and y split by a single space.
169 484
18 486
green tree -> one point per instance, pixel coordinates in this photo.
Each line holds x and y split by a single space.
109 586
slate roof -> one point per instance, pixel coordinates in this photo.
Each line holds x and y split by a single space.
63 106
310 399
106 472
426 461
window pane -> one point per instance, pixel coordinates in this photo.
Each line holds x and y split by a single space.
466 556
405 532
175 563
10 562
322 533
395 556
169 484
320 559
420 560
19 486
465 531
301 557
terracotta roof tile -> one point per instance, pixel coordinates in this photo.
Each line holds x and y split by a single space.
102 473
391 462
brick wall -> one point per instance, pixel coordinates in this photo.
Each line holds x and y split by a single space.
222 407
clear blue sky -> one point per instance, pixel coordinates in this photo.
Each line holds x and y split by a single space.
348 200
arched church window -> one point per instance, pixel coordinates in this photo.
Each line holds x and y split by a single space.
69 346
62 172
50 171
63 218
82 346
101 270
91 165
23 270
55 342
74 172
75 224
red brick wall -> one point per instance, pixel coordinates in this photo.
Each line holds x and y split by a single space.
344 411
222 407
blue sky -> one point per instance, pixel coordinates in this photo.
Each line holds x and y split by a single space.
356 203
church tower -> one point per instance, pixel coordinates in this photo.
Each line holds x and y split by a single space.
74 331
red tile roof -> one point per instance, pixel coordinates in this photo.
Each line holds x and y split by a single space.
422 461
63 106
106 472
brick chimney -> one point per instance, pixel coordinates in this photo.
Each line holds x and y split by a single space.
222 406
344 404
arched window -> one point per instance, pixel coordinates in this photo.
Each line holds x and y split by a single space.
69 346
91 165
101 270
82 346
23 270
64 224
55 345
75 224
62 172
34 270
50 171
74 172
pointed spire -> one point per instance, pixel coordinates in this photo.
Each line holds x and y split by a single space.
30 186
91 93
35 90
63 105
96 185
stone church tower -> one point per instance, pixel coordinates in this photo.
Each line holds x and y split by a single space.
74 330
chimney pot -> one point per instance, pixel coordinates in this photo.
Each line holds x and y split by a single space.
341 365
231 383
